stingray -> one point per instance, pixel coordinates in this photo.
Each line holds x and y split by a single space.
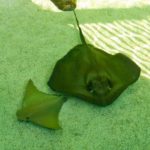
92 74
85 72
40 108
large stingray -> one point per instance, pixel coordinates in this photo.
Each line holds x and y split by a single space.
92 74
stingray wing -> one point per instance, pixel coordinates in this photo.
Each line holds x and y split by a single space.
40 108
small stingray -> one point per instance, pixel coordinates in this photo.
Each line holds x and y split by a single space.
65 5
40 108
92 74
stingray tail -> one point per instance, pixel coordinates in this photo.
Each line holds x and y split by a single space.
80 31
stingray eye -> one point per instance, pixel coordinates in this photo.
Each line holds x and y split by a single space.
27 118
100 86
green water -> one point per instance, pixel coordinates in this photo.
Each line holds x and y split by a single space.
33 39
